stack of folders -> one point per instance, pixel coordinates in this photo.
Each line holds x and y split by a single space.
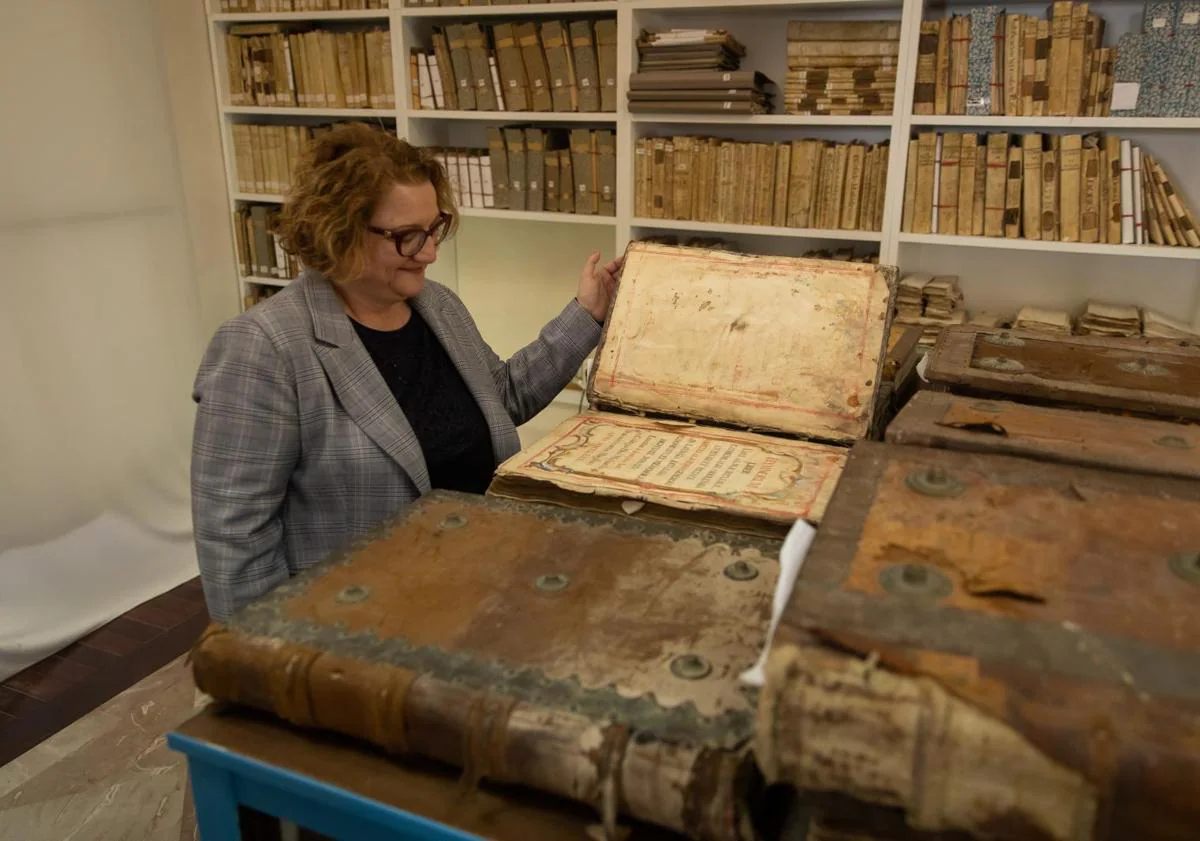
695 71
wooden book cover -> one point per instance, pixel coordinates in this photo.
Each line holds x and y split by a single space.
716 399
1136 375
584 656
995 647
1048 433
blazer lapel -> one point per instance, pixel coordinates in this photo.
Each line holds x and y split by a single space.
358 384
477 378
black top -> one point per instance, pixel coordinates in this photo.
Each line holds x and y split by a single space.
448 423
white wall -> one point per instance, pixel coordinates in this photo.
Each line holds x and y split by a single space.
101 325
515 276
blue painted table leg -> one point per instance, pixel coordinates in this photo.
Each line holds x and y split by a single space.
216 806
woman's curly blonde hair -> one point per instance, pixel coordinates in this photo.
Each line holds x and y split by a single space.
335 187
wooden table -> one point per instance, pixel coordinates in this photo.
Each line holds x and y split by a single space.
344 789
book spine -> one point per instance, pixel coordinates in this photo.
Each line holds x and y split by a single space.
491 736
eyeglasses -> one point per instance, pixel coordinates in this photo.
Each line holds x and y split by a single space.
409 242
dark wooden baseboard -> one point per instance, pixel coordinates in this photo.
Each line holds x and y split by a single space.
51 694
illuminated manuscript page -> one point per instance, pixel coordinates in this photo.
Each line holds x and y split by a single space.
683 466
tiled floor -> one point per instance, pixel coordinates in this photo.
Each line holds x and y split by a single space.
108 776
42 700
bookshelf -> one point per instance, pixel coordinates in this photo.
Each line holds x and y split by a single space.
995 272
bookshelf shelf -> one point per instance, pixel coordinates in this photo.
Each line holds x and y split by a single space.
517 116
760 120
262 17
267 281
756 230
511 10
261 198
743 5
1079 123
341 113
1012 272
536 216
1100 249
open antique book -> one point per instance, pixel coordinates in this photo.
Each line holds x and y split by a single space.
726 390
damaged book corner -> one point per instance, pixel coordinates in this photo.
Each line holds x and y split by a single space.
983 646
726 391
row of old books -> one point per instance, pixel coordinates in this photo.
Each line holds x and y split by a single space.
697 71
844 67
265 156
987 61
537 169
930 302
257 293
1098 318
847 253
428 3
1090 188
290 65
547 66
1158 69
798 184
259 252
257 6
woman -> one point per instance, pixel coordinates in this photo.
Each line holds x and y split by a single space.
329 407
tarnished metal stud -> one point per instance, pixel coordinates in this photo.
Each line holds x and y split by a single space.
553 581
353 594
690 667
1000 363
1144 366
741 571
915 580
934 481
1172 442
453 521
1005 340
1187 566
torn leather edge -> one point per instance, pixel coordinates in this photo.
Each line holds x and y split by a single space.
829 721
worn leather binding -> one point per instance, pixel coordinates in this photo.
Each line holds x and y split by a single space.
1048 433
1144 376
996 647
586 656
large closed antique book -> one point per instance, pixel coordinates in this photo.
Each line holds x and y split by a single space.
579 654
726 391
1050 433
994 646
1146 376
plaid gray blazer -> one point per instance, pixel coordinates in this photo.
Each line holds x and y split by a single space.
299 446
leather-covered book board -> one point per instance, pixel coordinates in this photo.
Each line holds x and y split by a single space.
580 654
1048 433
1144 376
995 647
726 391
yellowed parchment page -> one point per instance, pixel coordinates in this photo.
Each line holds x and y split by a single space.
683 466
773 343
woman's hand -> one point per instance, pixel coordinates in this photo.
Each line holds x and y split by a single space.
598 285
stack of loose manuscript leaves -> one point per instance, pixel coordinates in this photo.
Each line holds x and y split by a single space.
726 391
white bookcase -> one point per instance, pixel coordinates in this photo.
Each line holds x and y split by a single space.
995 274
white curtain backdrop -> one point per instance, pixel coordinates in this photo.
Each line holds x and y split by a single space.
99 335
